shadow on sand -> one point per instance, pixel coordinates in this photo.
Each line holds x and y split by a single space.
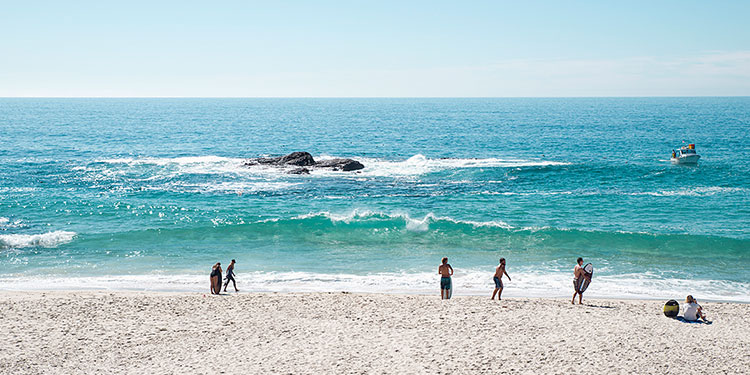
600 306
682 319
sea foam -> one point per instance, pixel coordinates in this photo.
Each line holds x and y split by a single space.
49 239
415 165
700 191
420 164
232 176
526 282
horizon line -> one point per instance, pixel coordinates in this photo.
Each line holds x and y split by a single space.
374 97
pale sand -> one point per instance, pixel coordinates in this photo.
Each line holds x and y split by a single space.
159 333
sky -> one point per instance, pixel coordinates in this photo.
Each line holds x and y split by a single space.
374 48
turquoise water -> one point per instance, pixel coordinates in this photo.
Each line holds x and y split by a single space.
149 193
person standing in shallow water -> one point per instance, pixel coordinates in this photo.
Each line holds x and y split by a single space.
578 274
212 279
499 271
446 271
230 276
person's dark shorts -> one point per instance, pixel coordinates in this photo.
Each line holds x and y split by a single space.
445 283
498 282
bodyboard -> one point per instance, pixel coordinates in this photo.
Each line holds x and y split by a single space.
583 282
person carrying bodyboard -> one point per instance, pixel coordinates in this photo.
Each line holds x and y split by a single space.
581 279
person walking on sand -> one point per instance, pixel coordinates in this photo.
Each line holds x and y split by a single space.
216 278
230 276
446 271
499 271
578 274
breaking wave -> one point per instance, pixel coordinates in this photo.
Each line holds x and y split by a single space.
49 239
324 230
410 223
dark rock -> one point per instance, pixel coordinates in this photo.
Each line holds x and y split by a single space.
304 159
298 158
340 164
299 171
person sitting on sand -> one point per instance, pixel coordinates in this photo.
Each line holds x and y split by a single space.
230 276
216 278
577 274
446 271
499 271
693 310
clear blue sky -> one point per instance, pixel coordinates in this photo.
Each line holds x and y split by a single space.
374 48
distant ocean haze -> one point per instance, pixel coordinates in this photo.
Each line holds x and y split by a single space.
149 193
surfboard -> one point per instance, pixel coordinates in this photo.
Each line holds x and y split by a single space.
583 283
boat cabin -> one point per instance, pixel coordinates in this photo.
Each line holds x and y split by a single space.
685 151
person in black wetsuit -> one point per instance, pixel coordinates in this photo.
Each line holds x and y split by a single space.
230 276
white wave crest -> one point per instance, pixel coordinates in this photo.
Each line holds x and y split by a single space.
412 223
701 191
6 223
49 239
6 189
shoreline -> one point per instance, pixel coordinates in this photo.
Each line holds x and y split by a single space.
510 295
175 332
173 293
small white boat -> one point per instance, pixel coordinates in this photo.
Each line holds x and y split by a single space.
685 155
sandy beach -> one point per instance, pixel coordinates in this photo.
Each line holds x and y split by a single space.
128 332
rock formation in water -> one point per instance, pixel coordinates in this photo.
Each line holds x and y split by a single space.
299 171
304 159
340 164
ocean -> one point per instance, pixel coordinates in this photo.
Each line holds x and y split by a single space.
147 194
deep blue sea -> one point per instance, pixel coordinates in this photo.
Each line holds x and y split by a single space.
146 194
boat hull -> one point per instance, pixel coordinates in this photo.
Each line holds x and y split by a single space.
688 159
